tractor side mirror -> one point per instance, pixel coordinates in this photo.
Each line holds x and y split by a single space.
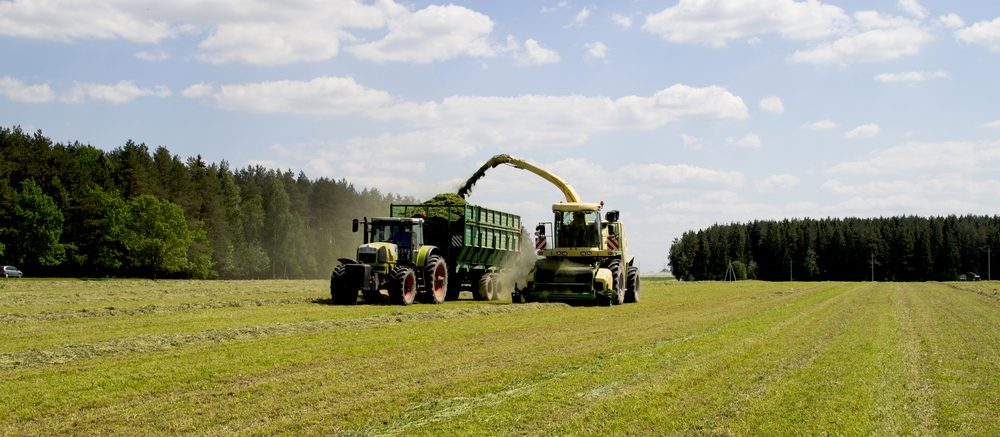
611 216
354 225
540 230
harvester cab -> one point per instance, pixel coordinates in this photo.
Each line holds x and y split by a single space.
392 265
588 260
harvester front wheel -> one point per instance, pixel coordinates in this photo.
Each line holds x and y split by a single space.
617 284
402 286
338 295
632 289
435 280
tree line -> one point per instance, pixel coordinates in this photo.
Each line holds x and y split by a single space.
849 249
76 210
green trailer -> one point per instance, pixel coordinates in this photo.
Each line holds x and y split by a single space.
476 242
429 253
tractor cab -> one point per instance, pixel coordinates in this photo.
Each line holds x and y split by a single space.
388 240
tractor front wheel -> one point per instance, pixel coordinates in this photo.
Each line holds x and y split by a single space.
338 292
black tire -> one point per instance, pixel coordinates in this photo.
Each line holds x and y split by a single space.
632 286
495 287
435 280
484 287
338 294
617 282
402 286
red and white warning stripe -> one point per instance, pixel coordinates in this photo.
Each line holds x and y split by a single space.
540 243
612 243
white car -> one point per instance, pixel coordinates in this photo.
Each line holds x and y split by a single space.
11 272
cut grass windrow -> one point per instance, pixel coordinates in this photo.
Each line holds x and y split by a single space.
148 343
149 309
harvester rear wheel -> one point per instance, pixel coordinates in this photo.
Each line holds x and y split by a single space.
402 286
632 289
484 288
338 295
435 280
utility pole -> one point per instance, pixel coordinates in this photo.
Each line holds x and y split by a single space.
989 268
873 266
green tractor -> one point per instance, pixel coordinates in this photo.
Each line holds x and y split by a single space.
393 266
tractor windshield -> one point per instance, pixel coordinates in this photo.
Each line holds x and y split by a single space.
393 232
578 228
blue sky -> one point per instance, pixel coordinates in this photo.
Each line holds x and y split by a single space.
679 114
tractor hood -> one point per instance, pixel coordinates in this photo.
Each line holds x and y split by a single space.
377 253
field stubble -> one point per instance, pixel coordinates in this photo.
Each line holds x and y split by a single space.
223 357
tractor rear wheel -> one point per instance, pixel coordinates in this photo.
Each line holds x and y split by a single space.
632 289
435 280
338 294
484 288
402 286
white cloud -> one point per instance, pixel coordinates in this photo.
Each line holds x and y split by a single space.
863 131
320 96
263 33
692 141
434 33
560 5
198 90
581 17
152 56
913 8
951 21
622 20
714 23
122 92
750 141
772 104
993 124
20 92
911 76
69 20
927 158
645 175
778 182
269 43
875 39
825 124
531 53
596 51
984 33
520 122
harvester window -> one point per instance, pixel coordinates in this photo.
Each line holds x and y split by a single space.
578 229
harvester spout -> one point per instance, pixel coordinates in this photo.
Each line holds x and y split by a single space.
567 189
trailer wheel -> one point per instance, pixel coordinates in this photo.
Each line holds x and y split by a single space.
495 287
435 280
338 295
632 291
402 286
484 288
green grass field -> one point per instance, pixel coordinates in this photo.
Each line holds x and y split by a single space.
270 357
